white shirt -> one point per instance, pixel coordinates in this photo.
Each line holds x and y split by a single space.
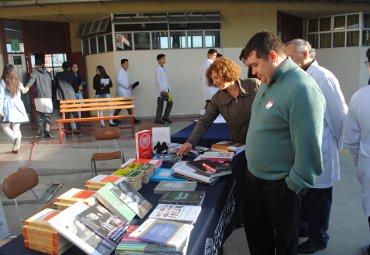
334 118
161 80
357 140
208 91
124 89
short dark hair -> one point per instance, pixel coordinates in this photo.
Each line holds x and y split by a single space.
66 65
124 60
212 51
368 54
242 55
263 42
159 56
39 59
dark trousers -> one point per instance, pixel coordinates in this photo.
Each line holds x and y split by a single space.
117 111
44 121
167 111
271 217
315 214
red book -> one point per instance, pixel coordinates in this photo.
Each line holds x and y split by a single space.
144 144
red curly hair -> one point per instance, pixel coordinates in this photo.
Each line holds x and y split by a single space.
226 68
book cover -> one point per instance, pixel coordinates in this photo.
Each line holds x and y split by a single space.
228 146
164 186
217 156
143 141
102 179
157 163
164 174
168 157
169 233
182 197
133 199
210 168
104 223
183 169
122 172
67 225
181 213
41 219
161 139
73 195
107 198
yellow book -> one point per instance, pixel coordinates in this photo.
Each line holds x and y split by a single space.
47 249
73 195
121 172
34 233
102 179
41 218
61 205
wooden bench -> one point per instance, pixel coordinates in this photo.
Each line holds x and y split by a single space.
96 105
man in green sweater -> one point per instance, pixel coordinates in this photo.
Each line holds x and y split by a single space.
283 146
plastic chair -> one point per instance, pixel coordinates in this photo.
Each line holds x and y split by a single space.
18 183
101 134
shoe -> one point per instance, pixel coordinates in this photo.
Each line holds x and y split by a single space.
48 135
113 124
167 120
39 133
16 145
136 121
366 250
117 121
311 246
159 122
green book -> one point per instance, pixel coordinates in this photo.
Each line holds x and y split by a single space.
107 198
183 197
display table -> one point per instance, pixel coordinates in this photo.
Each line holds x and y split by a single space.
212 227
216 133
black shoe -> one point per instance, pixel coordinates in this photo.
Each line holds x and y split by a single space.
113 124
136 121
159 122
167 120
310 247
39 133
366 250
117 121
48 135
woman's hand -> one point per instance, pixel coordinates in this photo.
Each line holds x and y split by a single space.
184 149
25 90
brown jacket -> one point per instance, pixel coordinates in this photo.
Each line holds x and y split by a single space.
236 112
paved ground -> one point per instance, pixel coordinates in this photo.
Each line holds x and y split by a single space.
70 163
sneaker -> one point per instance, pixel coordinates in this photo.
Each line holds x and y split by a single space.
159 122
39 133
366 250
311 246
113 124
103 126
136 121
16 145
48 135
167 120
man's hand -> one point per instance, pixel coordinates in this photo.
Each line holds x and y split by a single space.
184 149
2 115
25 90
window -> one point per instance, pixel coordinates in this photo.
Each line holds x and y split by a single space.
195 39
13 36
159 40
177 40
53 62
339 30
142 41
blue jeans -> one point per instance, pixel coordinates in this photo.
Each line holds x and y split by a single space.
315 213
100 113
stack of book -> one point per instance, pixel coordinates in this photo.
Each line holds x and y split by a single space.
210 168
228 146
183 169
74 195
100 180
40 236
147 166
218 156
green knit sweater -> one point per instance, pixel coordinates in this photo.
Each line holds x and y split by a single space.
285 130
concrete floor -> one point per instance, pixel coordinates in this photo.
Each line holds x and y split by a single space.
70 163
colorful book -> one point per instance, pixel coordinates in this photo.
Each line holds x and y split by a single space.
133 199
183 169
67 225
164 174
102 179
171 233
104 223
210 168
183 197
143 141
217 156
181 213
228 146
107 198
74 195
41 219
165 186
156 162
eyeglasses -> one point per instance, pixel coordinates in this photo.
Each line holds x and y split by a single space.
367 63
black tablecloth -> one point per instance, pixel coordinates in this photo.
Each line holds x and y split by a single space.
216 133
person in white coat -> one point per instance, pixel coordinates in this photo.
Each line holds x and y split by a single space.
316 205
357 140
124 87
163 92
208 91
12 110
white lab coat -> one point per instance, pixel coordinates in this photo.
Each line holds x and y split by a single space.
124 88
207 91
357 140
334 118
161 80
